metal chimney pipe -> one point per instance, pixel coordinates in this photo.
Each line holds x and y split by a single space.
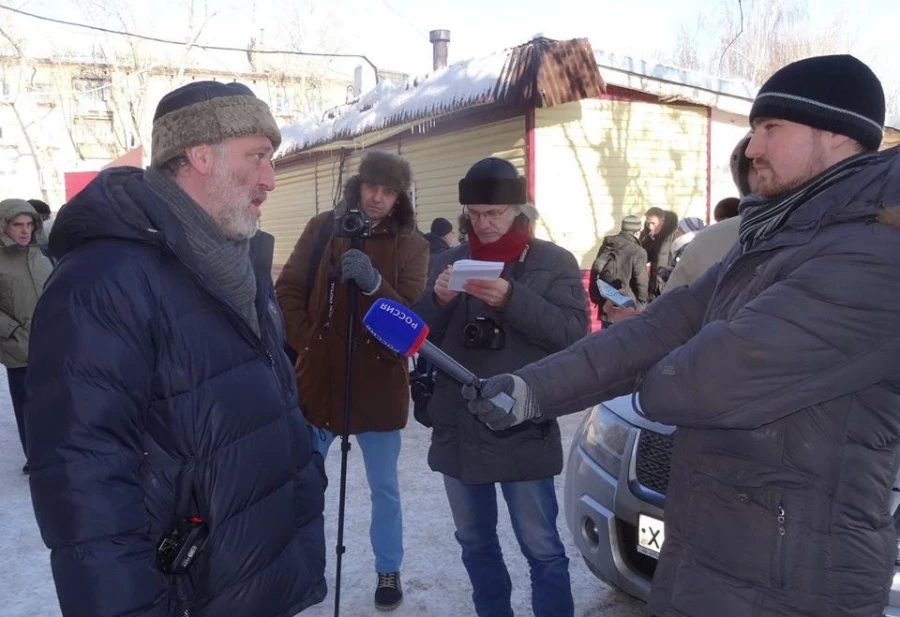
440 39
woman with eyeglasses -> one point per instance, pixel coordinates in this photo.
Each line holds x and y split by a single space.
536 307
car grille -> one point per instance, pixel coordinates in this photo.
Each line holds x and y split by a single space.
654 460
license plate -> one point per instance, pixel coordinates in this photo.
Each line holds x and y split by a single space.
651 535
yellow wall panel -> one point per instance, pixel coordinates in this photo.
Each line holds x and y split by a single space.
439 162
599 160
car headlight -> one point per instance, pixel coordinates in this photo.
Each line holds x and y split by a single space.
606 438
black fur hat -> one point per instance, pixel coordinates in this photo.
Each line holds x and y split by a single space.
492 181
386 169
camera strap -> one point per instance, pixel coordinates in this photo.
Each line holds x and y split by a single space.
333 275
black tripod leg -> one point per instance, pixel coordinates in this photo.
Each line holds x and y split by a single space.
352 303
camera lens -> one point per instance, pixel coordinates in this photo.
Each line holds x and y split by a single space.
472 332
352 223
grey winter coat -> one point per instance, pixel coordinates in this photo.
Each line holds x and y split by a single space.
546 312
781 369
23 272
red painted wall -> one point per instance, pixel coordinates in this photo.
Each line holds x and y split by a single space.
77 180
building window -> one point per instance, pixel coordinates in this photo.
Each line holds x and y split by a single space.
92 95
42 94
283 105
87 132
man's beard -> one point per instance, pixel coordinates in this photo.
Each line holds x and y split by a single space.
232 204
774 186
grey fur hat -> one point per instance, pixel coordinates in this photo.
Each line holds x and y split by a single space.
386 169
208 112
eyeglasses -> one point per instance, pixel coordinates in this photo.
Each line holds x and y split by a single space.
491 216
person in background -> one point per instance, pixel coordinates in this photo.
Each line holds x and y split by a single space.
441 237
42 236
312 291
24 269
727 208
621 262
535 308
656 238
684 234
710 245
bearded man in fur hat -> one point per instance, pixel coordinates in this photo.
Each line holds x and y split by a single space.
391 262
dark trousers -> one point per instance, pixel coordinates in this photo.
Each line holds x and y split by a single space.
19 396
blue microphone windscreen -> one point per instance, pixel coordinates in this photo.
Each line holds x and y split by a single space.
396 326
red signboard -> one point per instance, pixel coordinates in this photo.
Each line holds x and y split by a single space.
77 180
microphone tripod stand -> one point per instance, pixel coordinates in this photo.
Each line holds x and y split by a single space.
352 310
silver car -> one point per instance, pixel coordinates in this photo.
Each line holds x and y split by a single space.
615 494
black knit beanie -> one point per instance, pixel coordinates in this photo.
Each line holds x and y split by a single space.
492 181
441 227
632 223
208 112
839 94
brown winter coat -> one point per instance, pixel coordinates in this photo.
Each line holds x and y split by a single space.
379 396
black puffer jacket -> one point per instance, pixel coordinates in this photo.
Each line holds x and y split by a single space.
659 251
546 312
153 399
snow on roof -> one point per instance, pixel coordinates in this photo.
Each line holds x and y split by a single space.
458 86
661 72
477 81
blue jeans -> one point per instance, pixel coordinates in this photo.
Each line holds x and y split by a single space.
380 450
532 511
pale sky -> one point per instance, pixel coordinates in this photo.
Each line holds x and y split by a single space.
393 33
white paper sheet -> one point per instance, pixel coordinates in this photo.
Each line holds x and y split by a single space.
466 269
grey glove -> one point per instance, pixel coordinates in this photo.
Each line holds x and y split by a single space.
356 266
496 418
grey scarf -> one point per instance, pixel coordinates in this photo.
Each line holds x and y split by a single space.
228 261
761 219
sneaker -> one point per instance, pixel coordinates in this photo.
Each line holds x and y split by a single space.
26 470
389 592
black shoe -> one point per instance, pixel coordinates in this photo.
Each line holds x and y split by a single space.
26 470
389 592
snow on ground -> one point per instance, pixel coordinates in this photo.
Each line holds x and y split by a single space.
434 580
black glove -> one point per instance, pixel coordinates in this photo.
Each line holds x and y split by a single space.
356 265
496 418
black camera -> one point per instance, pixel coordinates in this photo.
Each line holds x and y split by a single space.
353 224
483 333
183 541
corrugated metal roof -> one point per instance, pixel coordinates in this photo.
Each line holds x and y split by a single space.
674 75
540 73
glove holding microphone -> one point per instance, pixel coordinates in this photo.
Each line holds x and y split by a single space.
524 408
494 400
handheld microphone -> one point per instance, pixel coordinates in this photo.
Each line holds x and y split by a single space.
402 331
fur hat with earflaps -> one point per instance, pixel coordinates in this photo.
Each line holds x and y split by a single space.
386 169
208 112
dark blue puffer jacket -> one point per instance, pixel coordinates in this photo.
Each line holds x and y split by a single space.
152 398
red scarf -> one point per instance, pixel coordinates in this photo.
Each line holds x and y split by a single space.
507 249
